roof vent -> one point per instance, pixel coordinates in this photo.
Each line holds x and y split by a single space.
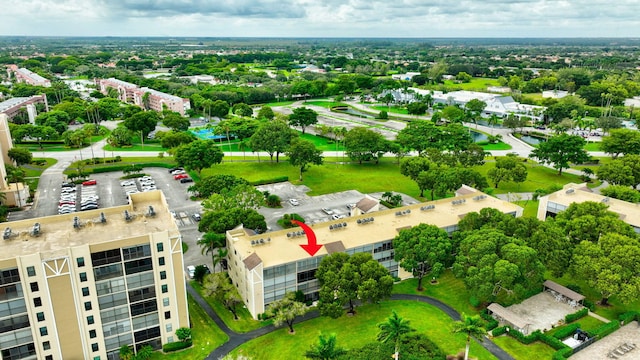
7 233
76 222
570 191
427 207
36 229
103 219
151 212
127 216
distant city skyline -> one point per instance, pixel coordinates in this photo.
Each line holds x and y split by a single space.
328 18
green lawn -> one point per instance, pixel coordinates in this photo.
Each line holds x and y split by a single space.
520 351
391 110
476 84
35 148
539 177
587 323
424 318
592 146
245 323
326 104
499 146
449 290
206 336
530 207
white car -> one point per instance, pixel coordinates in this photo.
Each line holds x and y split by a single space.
191 270
327 211
294 202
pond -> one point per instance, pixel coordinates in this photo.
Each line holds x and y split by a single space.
532 140
478 136
351 111
207 134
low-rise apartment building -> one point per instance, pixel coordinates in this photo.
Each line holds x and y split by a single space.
27 76
133 94
79 286
265 266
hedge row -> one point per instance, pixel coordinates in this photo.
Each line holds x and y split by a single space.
270 181
563 351
605 329
569 318
562 354
175 346
566 331
629 317
491 322
127 166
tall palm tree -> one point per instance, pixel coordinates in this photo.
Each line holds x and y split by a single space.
325 349
472 326
393 329
210 242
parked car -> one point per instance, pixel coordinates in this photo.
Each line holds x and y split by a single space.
177 172
68 185
180 176
186 180
336 217
89 182
351 206
127 183
327 211
294 202
174 169
66 203
196 217
191 270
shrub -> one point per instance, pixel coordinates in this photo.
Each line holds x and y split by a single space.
476 303
562 354
629 316
175 346
270 181
553 342
569 318
605 329
589 304
383 115
286 223
273 201
566 331
499 331
491 322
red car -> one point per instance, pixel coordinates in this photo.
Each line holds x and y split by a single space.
89 182
180 176
66 203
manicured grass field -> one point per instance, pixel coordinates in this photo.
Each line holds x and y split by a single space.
356 331
539 177
326 104
520 351
391 110
205 334
498 146
530 207
592 146
449 290
245 323
476 84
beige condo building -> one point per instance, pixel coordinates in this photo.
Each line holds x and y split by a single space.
265 266
81 285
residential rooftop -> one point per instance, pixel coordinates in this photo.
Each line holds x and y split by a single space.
277 248
57 232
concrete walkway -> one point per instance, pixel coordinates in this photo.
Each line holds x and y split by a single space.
596 316
237 339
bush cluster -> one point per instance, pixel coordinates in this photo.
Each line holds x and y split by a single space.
270 181
569 318
566 331
491 322
605 329
175 346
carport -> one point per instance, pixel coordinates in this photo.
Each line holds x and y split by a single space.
504 315
562 293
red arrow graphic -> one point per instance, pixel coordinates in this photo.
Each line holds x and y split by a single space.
311 247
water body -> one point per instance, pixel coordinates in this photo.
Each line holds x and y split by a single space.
532 140
351 111
207 134
478 136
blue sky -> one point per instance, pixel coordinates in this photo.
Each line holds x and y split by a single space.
324 18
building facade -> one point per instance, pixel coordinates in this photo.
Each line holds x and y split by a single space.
12 107
133 94
550 205
265 266
27 76
81 285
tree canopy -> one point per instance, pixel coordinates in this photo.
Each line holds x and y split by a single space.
560 151
303 117
303 153
198 155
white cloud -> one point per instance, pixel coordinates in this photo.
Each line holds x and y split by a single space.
347 18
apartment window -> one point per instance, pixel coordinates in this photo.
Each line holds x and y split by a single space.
94 347
87 305
46 345
163 275
85 291
80 261
165 301
167 315
169 327
165 289
31 271
40 316
43 331
37 302
83 276
170 339
160 247
90 320
92 334
34 286
96 358
161 260
48 357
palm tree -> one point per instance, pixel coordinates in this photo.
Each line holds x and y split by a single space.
472 326
393 329
210 242
325 349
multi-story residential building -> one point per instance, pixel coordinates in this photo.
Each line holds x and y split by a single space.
265 266
15 193
79 286
552 204
11 107
27 76
133 94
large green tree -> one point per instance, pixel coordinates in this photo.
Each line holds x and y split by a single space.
508 168
621 171
621 141
560 151
216 184
223 220
303 153
610 265
345 279
274 137
198 155
142 122
362 144
20 156
219 287
241 196
175 122
303 117
422 249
